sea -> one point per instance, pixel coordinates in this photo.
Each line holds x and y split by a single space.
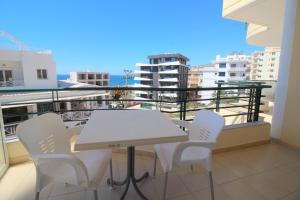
114 80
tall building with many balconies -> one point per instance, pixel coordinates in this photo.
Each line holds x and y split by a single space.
163 71
93 78
265 64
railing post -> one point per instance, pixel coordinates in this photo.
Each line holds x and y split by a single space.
184 104
250 106
218 98
257 104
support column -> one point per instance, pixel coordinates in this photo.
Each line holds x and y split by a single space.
285 122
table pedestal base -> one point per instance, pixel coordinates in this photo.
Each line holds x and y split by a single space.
130 175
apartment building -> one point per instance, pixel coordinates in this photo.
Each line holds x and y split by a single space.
232 68
265 64
93 78
27 69
194 77
166 71
37 70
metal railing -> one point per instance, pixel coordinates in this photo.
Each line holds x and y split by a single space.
244 99
12 83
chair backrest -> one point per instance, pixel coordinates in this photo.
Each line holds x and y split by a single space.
44 134
207 126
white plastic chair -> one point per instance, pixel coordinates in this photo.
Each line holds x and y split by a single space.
203 133
48 142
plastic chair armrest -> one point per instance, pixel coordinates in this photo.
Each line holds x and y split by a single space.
69 159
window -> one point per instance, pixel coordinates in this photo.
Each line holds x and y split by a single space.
5 75
273 53
1 76
221 73
233 65
232 74
272 65
42 74
222 65
90 76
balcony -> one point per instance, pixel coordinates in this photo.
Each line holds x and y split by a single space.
237 69
253 173
175 71
168 79
137 85
11 84
249 173
142 79
141 72
264 19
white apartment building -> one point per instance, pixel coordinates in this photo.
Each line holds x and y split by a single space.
37 70
27 69
265 64
93 78
232 68
168 70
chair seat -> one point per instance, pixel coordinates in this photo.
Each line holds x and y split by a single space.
191 155
95 161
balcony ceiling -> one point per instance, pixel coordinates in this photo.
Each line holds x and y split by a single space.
264 16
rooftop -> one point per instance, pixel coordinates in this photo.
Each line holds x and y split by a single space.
167 55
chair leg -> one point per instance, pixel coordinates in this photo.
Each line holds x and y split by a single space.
95 194
164 196
211 186
111 174
155 159
37 195
192 168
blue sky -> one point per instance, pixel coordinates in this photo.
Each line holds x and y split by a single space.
111 35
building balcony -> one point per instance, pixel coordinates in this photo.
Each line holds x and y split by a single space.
141 72
264 19
169 72
167 94
137 78
244 165
141 85
169 86
237 69
11 84
168 79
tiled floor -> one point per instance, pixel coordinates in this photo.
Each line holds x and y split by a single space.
263 172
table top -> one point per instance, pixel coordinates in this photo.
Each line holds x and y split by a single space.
121 128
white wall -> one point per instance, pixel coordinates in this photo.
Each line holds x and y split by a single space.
32 61
24 65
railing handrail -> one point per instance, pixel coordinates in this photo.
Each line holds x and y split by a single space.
253 86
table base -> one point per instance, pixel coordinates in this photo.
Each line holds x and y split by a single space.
130 178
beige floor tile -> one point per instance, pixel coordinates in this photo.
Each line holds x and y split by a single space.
265 186
239 190
175 186
12 178
205 194
292 196
59 189
184 197
263 172
222 174
195 181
